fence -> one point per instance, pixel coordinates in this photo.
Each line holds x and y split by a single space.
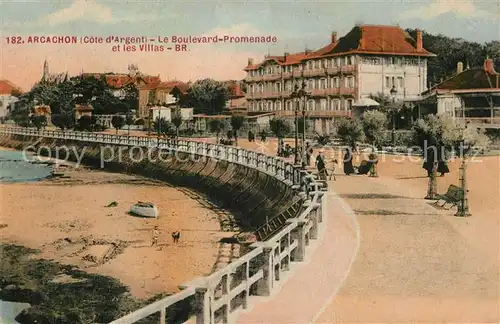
220 296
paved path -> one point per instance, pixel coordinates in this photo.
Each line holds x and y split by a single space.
413 264
308 290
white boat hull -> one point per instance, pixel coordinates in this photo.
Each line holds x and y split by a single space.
145 211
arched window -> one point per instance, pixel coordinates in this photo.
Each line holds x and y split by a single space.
278 105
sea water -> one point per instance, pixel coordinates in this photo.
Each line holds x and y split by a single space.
18 167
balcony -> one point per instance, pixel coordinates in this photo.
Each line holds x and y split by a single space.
342 91
286 75
253 78
347 69
270 77
313 73
316 113
297 74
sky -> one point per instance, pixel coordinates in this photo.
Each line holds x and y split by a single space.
296 25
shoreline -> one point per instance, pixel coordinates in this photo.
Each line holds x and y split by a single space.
74 227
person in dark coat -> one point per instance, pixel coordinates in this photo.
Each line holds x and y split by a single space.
321 165
309 152
348 167
442 163
430 156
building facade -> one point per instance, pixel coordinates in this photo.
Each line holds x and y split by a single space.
8 96
368 60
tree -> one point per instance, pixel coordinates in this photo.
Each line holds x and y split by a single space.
280 128
129 120
118 122
374 126
63 121
391 108
237 122
350 131
163 126
39 121
208 96
217 126
177 120
443 131
86 122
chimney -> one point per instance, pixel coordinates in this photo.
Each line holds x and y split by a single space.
334 37
460 67
250 61
489 66
307 51
420 43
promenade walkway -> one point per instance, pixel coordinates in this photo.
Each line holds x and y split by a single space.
415 263
311 285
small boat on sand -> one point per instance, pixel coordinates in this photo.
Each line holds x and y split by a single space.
144 209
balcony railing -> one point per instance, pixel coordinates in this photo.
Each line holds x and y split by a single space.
316 113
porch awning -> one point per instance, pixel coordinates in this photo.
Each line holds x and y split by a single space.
366 102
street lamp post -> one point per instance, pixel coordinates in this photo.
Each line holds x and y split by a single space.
393 92
463 207
296 97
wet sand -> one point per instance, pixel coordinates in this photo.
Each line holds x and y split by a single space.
67 220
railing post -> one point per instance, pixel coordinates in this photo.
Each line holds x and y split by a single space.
163 316
313 233
299 234
202 300
265 285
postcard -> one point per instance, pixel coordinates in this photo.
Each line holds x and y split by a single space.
249 162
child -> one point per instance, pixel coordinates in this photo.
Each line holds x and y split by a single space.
156 234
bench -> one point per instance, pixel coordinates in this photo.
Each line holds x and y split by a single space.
453 196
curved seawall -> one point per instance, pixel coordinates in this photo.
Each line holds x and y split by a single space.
252 195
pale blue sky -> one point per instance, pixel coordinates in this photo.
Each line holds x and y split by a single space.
296 24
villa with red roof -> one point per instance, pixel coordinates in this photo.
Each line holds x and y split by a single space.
471 96
342 75
8 95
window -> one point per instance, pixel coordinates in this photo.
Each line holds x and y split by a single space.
288 105
393 84
310 84
278 87
401 83
325 63
271 105
323 104
323 84
350 82
338 61
261 106
348 60
334 62
309 65
387 82
349 104
278 105
278 69
336 82
336 104
310 105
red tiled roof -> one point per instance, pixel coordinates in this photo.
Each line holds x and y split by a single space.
363 39
118 81
234 89
170 85
478 79
8 88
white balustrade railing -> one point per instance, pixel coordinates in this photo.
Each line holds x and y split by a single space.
220 296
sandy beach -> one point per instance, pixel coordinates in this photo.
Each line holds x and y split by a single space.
67 219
